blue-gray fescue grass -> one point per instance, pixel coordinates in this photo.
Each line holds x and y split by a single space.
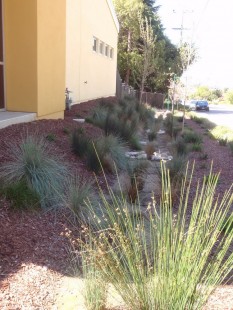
157 259
33 161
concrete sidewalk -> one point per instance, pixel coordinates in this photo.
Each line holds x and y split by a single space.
10 118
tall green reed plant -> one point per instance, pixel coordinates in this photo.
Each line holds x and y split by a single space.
159 259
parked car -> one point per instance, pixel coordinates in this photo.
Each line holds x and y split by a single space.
199 105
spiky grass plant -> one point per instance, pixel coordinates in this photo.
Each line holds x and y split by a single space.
223 141
79 142
160 260
180 147
231 146
33 162
95 288
79 191
150 149
196 147
191 137
107 151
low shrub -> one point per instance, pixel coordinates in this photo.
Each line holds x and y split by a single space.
79 192
221 132
191 137
108 152
196 147
180 146
66 130
51 137
176 168
222 142
34 162
150 149
231 146
135 143
20 195
152 135
203 156
168 124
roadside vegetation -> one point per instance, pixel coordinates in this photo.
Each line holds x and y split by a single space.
222 134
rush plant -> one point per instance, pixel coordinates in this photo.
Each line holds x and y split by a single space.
158 259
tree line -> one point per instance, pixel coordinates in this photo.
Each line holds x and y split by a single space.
147 60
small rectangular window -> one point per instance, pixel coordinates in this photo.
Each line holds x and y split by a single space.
101 47
106 50
95 42
111 53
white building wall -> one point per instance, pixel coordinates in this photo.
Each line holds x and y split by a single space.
90 74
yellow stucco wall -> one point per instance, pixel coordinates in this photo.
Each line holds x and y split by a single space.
90 75
20 53
34 32
51 51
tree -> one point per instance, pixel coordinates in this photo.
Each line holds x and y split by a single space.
166 58
127 12
229 96
147 50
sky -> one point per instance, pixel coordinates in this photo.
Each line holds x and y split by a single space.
209 26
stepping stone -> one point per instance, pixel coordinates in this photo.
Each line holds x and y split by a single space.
79 120
136 155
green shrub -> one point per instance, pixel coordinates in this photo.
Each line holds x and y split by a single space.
51 137
196 147
66 130
231 146
180 146
191 137
156 260
203 156
20 195
108 152
79 142
222 142
152 135
168 124
33 162
221 132
176 168
79 191
134 143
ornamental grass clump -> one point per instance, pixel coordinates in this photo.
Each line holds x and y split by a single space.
79 191
79 142
33 162
158 259
190 136
107 151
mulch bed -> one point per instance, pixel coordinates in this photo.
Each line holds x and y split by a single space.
34 244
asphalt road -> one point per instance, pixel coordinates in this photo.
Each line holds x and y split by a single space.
219 114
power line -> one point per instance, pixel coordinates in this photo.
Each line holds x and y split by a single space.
195 30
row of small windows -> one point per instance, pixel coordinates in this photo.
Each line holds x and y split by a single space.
102 48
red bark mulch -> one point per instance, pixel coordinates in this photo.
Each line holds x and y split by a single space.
34 244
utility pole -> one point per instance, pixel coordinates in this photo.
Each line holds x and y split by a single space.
182 28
